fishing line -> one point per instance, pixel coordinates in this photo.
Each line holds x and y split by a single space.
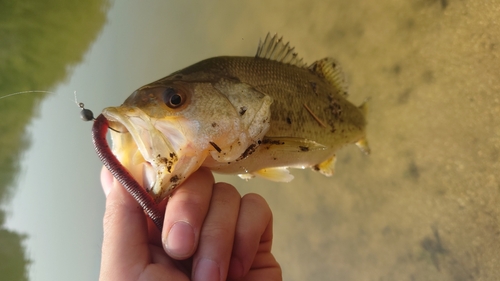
26 92
85 114
37 91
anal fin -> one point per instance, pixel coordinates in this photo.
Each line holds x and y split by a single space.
326 167
292 144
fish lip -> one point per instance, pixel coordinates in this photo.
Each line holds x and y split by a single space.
134 130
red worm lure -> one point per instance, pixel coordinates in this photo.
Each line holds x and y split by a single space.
99 131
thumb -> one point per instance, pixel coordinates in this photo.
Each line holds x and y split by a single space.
125 241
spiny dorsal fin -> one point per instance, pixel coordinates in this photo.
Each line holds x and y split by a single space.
330 69
273 48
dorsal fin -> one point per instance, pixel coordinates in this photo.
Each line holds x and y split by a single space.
330 69
273 48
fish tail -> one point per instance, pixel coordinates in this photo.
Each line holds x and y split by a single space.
363 145
363 142
364 107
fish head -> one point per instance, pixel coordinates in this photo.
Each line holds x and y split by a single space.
163 132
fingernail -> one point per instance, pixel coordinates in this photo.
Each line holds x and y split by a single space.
207 270
109 187
180 240
107 190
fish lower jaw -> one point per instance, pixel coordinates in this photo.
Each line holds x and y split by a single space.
157 180
148 176
165 177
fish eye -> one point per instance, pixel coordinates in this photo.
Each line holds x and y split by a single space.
172 98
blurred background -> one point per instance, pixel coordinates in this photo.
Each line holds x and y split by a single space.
423 206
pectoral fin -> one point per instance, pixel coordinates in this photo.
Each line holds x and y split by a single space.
281 153
292 144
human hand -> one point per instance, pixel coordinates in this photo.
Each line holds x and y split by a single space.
218 235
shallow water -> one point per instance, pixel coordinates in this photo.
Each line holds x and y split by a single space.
424 204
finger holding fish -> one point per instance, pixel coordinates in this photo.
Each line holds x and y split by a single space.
185 214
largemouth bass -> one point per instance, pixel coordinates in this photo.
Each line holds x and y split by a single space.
251 116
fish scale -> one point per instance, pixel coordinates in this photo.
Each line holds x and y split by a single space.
290 87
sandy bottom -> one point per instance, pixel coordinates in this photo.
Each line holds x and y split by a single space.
426 204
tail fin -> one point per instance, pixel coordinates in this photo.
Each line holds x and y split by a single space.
364 107
363 143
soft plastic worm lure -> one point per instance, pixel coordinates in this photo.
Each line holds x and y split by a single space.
99 131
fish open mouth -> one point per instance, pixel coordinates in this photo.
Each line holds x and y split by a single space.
99 131
150 149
